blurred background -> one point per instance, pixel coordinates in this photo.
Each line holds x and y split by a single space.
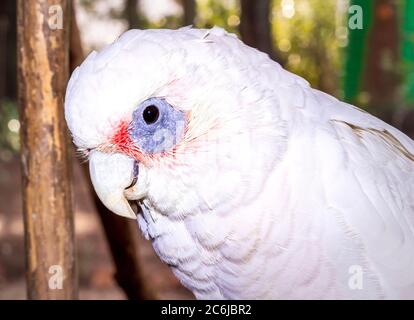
369 63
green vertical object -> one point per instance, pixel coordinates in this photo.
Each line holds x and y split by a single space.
356 51
407 51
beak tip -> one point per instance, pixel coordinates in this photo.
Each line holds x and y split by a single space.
110 175
123 209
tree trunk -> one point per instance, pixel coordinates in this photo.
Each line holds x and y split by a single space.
131 14
255 28
381 75
189 8
407 65
372 56
76 54
4 27
121 233
48 217
8 82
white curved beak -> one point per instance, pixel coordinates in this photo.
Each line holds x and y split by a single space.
111 174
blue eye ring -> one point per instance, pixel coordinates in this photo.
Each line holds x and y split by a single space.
156 126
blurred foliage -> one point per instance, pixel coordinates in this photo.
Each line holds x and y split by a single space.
168 22
221 13
309 36
9 129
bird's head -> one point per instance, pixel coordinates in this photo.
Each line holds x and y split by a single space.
186 119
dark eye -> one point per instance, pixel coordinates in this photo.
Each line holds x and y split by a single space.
150 114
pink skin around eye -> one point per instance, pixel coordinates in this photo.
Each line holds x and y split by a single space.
122 141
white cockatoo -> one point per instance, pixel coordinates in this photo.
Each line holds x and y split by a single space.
250 183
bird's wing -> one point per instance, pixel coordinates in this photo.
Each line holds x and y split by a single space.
371 189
